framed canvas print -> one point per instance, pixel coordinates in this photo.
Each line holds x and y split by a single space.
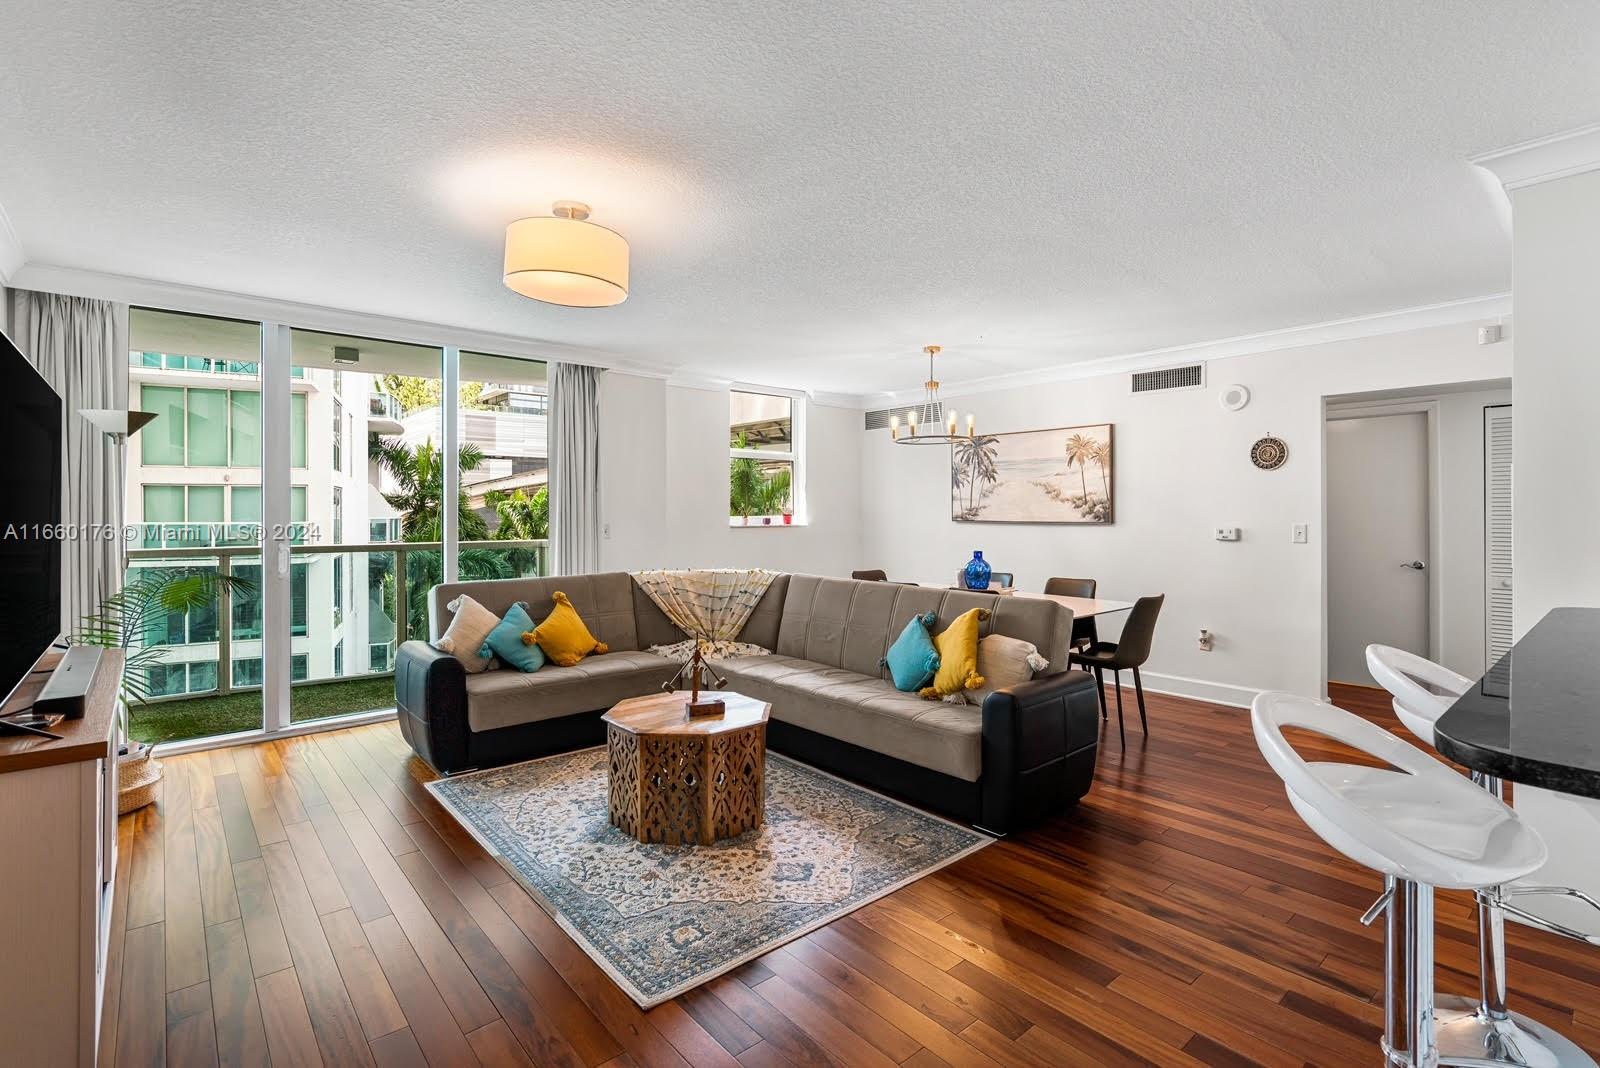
1033 476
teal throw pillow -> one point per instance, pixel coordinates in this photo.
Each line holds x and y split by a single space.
505 641
912 659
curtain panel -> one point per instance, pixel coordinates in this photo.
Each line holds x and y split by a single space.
575 468
80 346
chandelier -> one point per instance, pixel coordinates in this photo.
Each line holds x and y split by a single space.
929 409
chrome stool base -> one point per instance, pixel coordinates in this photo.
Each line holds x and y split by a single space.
1467 1039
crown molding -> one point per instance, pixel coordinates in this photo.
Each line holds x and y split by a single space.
1544 159
173 296
1449 313
11 255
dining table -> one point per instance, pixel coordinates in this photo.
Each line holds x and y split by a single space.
1082 607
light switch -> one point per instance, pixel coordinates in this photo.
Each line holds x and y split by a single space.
1300 533
1227 534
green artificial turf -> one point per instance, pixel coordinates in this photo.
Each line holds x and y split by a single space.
198 717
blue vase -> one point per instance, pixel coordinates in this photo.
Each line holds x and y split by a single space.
977 572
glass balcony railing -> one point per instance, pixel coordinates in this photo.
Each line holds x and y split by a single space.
382 406
350 608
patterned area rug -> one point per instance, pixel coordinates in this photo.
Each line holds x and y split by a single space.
664 919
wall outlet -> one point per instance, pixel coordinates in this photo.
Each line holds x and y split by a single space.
1227 534
1300 533
605 531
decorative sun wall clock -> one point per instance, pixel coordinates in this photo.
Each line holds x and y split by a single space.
1269 453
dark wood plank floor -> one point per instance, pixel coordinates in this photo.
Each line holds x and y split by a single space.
305 901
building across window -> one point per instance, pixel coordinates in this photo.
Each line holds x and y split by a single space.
765 470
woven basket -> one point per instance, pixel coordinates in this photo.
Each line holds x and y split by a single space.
137 776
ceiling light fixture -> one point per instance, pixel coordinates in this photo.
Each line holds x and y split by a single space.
929 409
565 259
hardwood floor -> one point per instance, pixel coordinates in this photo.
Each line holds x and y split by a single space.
306 901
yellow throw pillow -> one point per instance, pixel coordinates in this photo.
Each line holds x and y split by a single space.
562 636
958 656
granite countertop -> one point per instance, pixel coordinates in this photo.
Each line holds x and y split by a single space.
1535 717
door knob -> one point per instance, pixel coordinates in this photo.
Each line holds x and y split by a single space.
1416 565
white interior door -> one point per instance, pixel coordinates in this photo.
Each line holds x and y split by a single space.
1378 538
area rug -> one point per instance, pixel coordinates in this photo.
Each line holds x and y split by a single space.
664 919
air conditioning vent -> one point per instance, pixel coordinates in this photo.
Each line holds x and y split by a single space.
927 415
1189 376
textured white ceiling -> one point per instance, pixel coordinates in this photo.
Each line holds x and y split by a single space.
812 191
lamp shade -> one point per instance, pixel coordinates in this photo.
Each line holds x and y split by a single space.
115 421
565 259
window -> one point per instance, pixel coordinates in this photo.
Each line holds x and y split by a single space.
764 466
508 486
338 431
247 610
338 515
182 516
212 427
338 592
247 670
338 659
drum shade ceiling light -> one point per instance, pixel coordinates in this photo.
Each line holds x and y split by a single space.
564 259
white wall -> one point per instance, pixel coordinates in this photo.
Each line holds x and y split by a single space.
664 484
1556 440
1182 468
1556 435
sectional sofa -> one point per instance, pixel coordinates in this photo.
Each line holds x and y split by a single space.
1026 754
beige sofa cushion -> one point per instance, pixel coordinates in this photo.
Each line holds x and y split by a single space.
848 624
865 711
511 698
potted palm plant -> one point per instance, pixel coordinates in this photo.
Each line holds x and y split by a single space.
745 485
125 620
776 495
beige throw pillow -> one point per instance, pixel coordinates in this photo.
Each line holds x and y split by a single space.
1004 662
467 632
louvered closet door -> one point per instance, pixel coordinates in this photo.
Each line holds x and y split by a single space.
1497 530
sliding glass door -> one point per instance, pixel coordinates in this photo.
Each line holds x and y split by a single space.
319 485
193 514
370 480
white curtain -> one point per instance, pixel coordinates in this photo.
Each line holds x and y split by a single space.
81 348
575 468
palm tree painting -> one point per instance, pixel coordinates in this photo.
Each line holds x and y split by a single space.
1033 476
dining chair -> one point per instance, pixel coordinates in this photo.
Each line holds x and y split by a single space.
1130 650
870 576
1084 633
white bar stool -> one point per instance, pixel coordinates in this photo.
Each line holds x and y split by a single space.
1422 826
1423 691
1408 678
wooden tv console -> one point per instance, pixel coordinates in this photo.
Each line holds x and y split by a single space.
58 857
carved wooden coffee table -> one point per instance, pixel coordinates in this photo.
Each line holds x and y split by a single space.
678 780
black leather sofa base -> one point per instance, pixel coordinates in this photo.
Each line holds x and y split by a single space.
1039 743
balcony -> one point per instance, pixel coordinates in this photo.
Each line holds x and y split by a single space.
384 414
343 624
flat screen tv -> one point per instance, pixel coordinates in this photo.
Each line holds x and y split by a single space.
30 518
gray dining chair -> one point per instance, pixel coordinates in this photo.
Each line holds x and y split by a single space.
1130 650
1084 633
